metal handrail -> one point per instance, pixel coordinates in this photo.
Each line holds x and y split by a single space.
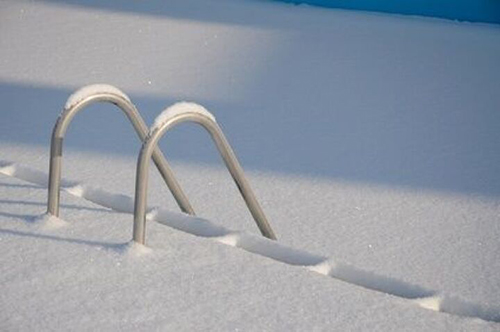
206 121
140 127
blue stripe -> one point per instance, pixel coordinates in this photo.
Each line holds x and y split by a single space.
487 11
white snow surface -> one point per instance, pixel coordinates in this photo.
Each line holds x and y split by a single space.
90 90
370 140
91 277
177 109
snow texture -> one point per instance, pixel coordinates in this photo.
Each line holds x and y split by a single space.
370 140
91 90
425 298
88 276
178 109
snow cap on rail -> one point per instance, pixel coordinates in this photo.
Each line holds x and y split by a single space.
90 90
180 108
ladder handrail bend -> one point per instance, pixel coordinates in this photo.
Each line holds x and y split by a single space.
118 98
190 112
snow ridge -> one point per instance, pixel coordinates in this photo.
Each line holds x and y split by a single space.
425 298
90 90
180 108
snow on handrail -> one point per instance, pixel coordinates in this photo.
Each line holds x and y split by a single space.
76 102
190 112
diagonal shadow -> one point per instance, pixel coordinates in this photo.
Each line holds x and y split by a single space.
352 102
224 12
29 218
65 206
25 186
463 10
400 148
118 246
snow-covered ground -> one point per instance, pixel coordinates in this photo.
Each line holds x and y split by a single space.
371 141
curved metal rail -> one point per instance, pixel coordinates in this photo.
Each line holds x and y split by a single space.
140 127
227 154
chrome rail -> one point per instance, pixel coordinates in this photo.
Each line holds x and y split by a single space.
206 120
122 102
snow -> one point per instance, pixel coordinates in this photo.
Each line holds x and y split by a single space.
91 276
371 142
49 221
177 109
91 90
425 298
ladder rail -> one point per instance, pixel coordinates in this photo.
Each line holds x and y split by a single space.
227 154
141 129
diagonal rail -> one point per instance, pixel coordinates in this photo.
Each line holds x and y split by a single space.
190 112
79 101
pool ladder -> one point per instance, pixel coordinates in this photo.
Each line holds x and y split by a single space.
183 112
